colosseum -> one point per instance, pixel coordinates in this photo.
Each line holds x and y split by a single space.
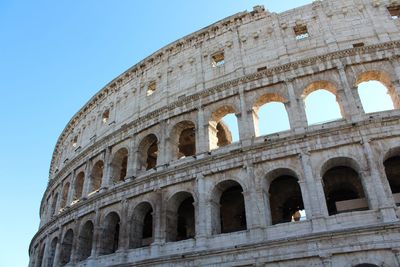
148 173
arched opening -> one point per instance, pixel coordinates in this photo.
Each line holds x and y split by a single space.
285 199
110 235
52 252
228 208
141 226
343 188
96 176
223 127
183 140
119 165
392 171
376 92
180 217
321 103
270 115
40 256
85 241
66 247
79 180
148 152
54 205
64 195
366 265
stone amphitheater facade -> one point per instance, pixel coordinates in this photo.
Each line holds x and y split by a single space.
146 173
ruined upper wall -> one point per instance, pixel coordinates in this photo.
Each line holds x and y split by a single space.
251 41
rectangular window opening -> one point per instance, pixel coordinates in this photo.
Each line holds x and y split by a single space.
218 60
394 11
301 32
151 88
358 45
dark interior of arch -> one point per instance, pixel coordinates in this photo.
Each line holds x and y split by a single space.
224 135
392 170
52 252
110 236
232 210
85 241
79 185
97 175
141 226
119 165
285 199
66 247
187 142
341 183
181 217
365 265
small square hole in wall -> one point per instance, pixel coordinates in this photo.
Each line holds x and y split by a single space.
394 11
105 116
151 88
218 60
301 32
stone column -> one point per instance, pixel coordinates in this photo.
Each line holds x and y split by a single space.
201 132
376 193
131 171
97 232
124 227
71 191
351 104
75 241
202 224
245 121
306 198
315 192
255 206
295 109
106 181
88 179
163 150
57 252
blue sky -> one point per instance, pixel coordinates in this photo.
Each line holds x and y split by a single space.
54 55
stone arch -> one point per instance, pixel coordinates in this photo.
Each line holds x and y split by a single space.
219 133
66 247
391 164
228 213
262 102
183 140
181 217
343 188
96 176
54 205
65 193
142 226
285 196
52 252
382 78
85 241
321 86
148 152
110 234
79 181
119 165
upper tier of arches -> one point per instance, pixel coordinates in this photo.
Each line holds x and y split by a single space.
170 78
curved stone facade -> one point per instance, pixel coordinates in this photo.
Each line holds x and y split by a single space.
146 173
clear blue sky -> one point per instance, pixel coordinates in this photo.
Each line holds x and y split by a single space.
55 55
